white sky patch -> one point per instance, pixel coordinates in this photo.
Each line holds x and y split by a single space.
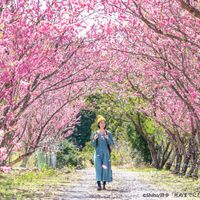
87 18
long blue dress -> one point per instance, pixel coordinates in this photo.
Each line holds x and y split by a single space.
102 161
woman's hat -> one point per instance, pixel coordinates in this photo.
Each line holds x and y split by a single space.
100 118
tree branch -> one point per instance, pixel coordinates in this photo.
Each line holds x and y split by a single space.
186 6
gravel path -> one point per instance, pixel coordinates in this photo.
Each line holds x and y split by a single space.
125 186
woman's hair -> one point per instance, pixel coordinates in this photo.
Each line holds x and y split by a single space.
104 127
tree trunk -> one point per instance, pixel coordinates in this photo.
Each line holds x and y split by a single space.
187 156
24 162
25 159
169 163
196 169
158 159
153 152
20 158
185 164
178 163
194 162
165 155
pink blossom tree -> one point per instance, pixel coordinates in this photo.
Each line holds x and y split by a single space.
45 68
155 49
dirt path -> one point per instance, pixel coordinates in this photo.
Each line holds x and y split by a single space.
125 186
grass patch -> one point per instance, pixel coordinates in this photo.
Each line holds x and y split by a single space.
34 184
165 180
142 169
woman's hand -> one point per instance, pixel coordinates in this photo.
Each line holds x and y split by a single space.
95 136
106 136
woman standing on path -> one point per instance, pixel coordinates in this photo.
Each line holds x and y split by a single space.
102 141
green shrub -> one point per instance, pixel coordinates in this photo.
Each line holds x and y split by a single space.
69 155
87 153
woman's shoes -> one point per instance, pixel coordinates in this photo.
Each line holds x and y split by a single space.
99 185
104 185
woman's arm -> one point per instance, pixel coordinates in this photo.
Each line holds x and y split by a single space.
110 140
94 142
